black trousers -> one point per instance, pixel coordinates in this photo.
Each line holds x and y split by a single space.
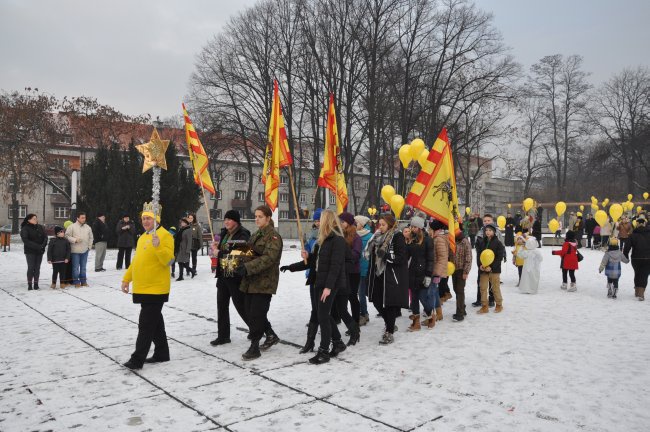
328 328
589 237
572 274
641 271
389 314
151 328
613 282
256 309
443 287
355 306
315 302
67 275
33 266
194 253
459 288
228 288
58 269
340 310
622 242
520 270
123 256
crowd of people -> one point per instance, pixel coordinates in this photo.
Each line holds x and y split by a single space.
349 261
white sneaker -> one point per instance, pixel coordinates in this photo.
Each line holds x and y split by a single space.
563 286
572 288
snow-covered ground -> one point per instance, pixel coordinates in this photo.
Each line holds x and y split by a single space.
555 361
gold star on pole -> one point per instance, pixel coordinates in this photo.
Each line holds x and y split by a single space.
154 152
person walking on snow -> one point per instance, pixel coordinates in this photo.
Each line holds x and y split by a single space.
639 244
611 263
569 263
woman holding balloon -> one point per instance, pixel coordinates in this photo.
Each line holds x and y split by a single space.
490 269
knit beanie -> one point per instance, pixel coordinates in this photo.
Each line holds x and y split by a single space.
317 213
233 215
417 222
437 225
347 218
58 229
362 220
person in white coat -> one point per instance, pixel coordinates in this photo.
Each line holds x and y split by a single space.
532 267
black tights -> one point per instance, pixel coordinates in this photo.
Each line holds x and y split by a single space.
572 274
389 314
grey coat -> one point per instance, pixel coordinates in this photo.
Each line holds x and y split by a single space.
185 245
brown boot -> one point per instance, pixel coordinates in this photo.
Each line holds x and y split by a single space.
484 309
415 326
636 292
439 313
53 286
498 308
431 322
641 294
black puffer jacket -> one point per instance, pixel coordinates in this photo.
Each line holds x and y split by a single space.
639 244
330 265
499 252
421 259
391 287
58 250
34 238
100 231
125 232
309 265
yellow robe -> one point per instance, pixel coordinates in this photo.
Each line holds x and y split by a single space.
149 269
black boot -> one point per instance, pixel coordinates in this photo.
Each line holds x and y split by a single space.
312 329
271 339
337 348
29 286
321 357
35 285
180 277
253 351
193 273
355 334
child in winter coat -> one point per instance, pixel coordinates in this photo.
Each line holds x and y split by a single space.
518 261
611 263
529 282
58 254
569 263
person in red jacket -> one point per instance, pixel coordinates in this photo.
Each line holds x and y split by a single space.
569 263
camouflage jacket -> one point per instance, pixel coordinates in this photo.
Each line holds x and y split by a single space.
263 272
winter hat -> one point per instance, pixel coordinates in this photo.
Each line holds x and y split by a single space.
613 241
100 214
58 229
417 222
362 220
641 219
570 236
437 225
186 220
491 226
233 215
347 218
317 213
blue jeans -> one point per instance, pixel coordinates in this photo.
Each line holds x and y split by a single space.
424 296
79 267
435 294
363 292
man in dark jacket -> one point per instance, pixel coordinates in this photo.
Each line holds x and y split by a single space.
491 274
125 231
100 240
228 285
639 244
590 225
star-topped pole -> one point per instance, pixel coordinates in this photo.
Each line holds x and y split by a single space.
154 157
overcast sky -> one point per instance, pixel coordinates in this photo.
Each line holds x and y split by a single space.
137 55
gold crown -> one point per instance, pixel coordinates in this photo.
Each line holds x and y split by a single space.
153 208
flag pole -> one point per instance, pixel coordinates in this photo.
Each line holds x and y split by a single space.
295 203
205 204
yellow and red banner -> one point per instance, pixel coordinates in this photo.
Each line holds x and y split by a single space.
197 155
434 191
331 173
277 151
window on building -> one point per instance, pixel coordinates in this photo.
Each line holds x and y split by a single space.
66 139
284 214
217 196
260 197
240 195
313 199
306 181
62 164
240 176
22 211
303 198
284 179
284 197
61 185
332 198
61 212
219 214
357 185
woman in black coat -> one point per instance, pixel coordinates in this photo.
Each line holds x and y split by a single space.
420 256
389 276
510 230
35 241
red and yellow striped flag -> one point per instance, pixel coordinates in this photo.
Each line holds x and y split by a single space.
434 191
277 151
331 173
197 155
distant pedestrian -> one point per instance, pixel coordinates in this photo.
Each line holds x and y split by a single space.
100 241
35 240
611 263
58 254
569 263
80 237
125 231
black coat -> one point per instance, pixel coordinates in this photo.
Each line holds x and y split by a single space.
309 265
590 225
420 262
100 231
330 265
537 229
510 232
125 232
58 250
34 238
391 287
639 243
240 234
499 253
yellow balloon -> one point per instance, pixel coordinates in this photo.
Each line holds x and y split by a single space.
417 146
601 217
629 197
646 195
606 201
451 268
629 206
639 209
509 205
553 225
468 210
387 193
397 205
579 214
594 207
582 208
501 221
560 208
615 211
405 155
423 157
487 257
528 204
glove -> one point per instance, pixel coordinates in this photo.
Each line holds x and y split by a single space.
284 268
381 253
436 280
427 281
241 270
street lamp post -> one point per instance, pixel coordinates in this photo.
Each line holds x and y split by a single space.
73 195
